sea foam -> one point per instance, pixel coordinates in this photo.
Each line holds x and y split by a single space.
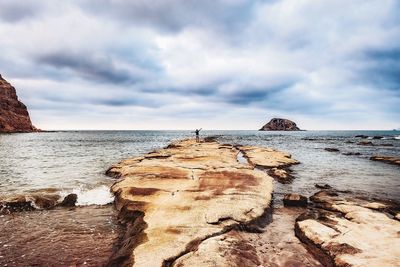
97 196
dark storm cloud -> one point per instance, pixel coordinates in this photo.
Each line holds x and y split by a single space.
174 15
205 59
16 10
381 68
100 69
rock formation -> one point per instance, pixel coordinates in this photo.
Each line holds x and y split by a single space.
349 231
14 116
387 159
278 124
182 204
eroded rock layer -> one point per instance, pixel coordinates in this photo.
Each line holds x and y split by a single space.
14 116
351 231
176 199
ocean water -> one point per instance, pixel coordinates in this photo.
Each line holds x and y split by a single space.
75 161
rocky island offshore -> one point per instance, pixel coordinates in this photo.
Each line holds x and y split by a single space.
278 124
14 116
196 204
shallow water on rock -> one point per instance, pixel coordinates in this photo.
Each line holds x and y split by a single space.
82 236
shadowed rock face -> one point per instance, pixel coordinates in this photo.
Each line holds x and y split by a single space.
351 231
278 124
176 199
14 116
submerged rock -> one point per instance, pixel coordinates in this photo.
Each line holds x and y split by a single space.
323 186
349 231
361 136
352 153
329 149
365 143
294 200
14 116
386 159
278 124
186 198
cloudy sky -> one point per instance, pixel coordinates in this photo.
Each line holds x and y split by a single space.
216 64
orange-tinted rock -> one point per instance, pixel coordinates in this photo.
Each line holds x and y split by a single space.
387 159
175 199
14 116
348 231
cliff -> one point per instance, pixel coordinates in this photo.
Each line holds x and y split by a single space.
14 116
278 124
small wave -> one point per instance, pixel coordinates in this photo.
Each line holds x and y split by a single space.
397 137
97 196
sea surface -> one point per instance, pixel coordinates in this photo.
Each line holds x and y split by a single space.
75 162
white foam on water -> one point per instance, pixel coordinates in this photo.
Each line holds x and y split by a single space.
97 196
397 137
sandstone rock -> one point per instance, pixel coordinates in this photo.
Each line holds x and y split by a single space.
294 200
329 149
278 124
267 157
349 232
386 159
176 200
282 175
14 116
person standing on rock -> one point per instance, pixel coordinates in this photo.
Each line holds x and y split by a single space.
197 131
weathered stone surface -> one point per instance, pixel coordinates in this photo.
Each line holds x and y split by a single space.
14 116
178 200
275 246
294 200
267 157
283 176
278 124
386 159
350 232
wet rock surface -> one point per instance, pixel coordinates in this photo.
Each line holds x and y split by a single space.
14 116
342 230
278 124
387 159
295 200
183 204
